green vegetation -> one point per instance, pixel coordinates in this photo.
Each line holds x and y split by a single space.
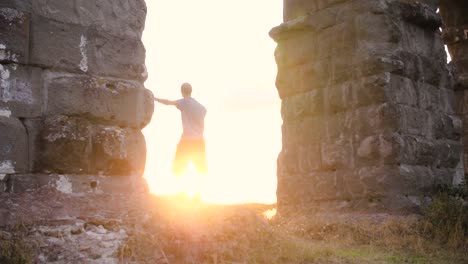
446 218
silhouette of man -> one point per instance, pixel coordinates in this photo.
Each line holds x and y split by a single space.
191 146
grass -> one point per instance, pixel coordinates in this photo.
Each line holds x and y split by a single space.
178 230
186 232
14 248
446 218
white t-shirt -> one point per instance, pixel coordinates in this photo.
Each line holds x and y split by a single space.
193 117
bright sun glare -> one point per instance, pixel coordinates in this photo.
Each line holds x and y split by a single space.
223 49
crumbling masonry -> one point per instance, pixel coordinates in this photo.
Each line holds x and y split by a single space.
72 100
370 119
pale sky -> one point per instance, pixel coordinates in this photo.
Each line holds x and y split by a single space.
223 49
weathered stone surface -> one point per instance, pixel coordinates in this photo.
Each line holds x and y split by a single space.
368 111
13 146
120 18
21 5
124 18
120 57
105 101
65 145
72 73
74 145
21 90
76 48
76 184
117 151
14 36
58 45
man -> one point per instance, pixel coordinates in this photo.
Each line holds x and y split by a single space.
191 146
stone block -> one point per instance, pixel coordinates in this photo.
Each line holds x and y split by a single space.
374 150
297 50
332 71
300 159
337 155
413 121
120 57
415 180
414 150
117 17
428 97
401 90
309 158
295 80
21 90
341 97
14 36
117 151
22 5
325 186
421 41
59 45
74 145
105 101
446 126
296 8
374 181
77 184
352 184
13 146
389 181
302 132
378 118
339 125
288 191
302 105
448 154
422 68
421 14
64 146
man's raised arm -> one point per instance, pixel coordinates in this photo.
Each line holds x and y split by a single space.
164 101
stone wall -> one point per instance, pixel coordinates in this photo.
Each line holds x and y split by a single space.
367 105
72 99
455 35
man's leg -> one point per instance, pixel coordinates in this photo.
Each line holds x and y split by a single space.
198 157
181 159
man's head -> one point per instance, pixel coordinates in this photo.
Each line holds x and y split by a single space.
186 90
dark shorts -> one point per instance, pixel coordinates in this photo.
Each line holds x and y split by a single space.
190 150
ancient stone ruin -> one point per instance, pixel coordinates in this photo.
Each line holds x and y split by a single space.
371 120
72 100
374 118
373 115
